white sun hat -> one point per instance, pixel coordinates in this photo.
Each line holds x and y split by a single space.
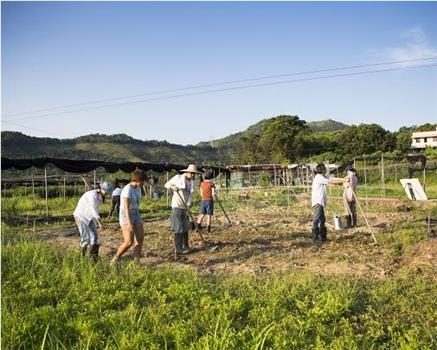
191 169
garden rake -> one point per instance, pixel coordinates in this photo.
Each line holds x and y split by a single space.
228 223
365 219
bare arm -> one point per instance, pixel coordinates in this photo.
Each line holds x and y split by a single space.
337 180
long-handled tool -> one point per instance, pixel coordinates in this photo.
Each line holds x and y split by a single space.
365 218
190 214
229 223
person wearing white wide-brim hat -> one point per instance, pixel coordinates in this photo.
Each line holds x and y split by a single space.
182 186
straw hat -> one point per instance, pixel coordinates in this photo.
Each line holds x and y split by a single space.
191 169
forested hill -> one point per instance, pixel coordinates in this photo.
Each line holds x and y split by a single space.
280 139
116 148
326 125
122 147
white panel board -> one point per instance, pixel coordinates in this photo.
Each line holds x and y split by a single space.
414 189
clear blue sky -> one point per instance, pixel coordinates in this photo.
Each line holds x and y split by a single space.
64 53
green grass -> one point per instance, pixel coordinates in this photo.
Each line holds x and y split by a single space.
54 299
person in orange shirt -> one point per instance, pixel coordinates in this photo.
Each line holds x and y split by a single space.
207 191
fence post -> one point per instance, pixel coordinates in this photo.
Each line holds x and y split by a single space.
382 176
365 179
166 192
47 192
33 188
64 188
424 177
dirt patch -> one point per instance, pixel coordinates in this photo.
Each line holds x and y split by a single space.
270 240
422 258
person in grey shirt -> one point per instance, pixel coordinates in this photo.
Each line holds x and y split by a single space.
130 218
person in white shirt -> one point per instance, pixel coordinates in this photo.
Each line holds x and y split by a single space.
115 203
183 188
350 187
130 217
87 218
318 202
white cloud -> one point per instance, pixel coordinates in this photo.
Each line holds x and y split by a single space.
416 46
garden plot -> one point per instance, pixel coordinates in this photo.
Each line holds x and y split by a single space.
272 239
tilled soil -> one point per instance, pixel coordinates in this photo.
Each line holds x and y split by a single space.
271 240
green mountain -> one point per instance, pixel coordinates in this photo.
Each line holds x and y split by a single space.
117 148
326 125
121 147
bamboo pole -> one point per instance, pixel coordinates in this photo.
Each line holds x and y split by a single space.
166 194
47 192
365 180
365 218
64 189
424 178
33 188
382 176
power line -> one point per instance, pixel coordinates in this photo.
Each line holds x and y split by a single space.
31 129
220 83
226 89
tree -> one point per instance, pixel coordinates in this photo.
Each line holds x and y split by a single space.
426 127
364 139
249 150
403 141
283 138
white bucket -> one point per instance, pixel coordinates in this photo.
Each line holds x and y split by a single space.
337 223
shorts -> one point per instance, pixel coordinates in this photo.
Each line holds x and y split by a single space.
207 207
135 217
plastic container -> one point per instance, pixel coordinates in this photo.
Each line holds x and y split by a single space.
337 223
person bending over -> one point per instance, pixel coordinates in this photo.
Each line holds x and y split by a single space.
115 203
87 218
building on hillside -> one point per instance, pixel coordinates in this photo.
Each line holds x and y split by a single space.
423 139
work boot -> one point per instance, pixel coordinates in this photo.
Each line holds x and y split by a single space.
185 244
94 252
83 250
348 221
178 239
354 220
323 234
316 237
193 225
